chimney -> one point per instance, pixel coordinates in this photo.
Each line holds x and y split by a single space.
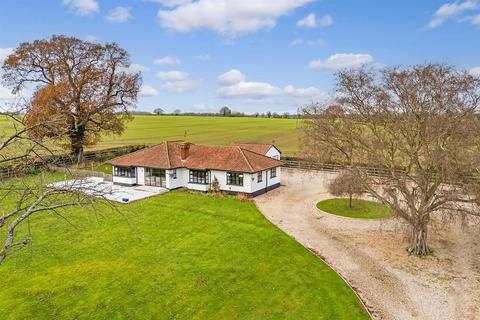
185 150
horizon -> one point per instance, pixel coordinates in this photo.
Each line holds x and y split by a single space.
198 56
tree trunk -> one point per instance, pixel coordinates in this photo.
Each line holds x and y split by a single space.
77 137
350 201
419 246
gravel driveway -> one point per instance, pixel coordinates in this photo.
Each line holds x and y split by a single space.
371 254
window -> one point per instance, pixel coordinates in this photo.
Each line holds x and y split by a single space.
260 176
124 172
174 173
234 179
273 172
197 176
276 157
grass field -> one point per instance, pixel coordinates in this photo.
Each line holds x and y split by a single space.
360 208
149 129
175 256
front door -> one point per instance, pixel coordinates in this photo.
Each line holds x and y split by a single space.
155 177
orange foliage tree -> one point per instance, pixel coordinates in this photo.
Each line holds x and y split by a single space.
85 88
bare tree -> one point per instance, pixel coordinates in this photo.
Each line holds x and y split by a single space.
177 112
349 182
88 85
28 196
420 126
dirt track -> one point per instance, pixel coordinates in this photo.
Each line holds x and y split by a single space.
371 254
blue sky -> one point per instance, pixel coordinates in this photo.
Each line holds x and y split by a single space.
252 55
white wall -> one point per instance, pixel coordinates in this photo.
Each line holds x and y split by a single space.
124 180
273 153
181 181
222 180
266 180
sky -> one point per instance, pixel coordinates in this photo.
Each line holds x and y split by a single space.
252 55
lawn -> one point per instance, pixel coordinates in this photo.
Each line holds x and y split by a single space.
175 256
360 208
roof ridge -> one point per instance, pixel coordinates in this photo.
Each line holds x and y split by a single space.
246 159
168 154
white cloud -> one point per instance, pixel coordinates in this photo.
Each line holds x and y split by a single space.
325 21
475 71
4 53
172 75
475 20
82 7
134 68
90 38
228 17
342 61
119 15
181 86
167 61
171 3
249 90
147 91
302 92
231 77
449 10
311 43
309 21
5 93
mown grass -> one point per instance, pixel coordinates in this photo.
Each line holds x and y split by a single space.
175 256
360 208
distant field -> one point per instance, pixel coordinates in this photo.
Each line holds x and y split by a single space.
284 133
208 130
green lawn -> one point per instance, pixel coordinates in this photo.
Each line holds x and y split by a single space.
360 208
175 256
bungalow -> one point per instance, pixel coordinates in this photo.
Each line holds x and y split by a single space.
247 168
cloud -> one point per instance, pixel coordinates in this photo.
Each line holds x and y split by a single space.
172 75
310 43
231 77
5 93
166 61
90 38
449 10
147 91
4 53
119 15
181 86
249 90
325 21
134 68
475 71
309 21
171 3
82 7
342 61
227 17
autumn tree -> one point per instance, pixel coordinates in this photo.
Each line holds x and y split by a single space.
349 182
419 130
87 87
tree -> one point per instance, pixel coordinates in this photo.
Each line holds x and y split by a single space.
177 112
27 197
158 111
225 111
86 86
420 130
349 182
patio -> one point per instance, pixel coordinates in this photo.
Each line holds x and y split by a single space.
96 187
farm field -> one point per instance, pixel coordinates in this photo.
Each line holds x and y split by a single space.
176 256
150 129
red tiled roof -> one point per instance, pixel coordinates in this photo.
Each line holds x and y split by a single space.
167 155
255 147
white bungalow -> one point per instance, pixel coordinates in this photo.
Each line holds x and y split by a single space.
247 168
